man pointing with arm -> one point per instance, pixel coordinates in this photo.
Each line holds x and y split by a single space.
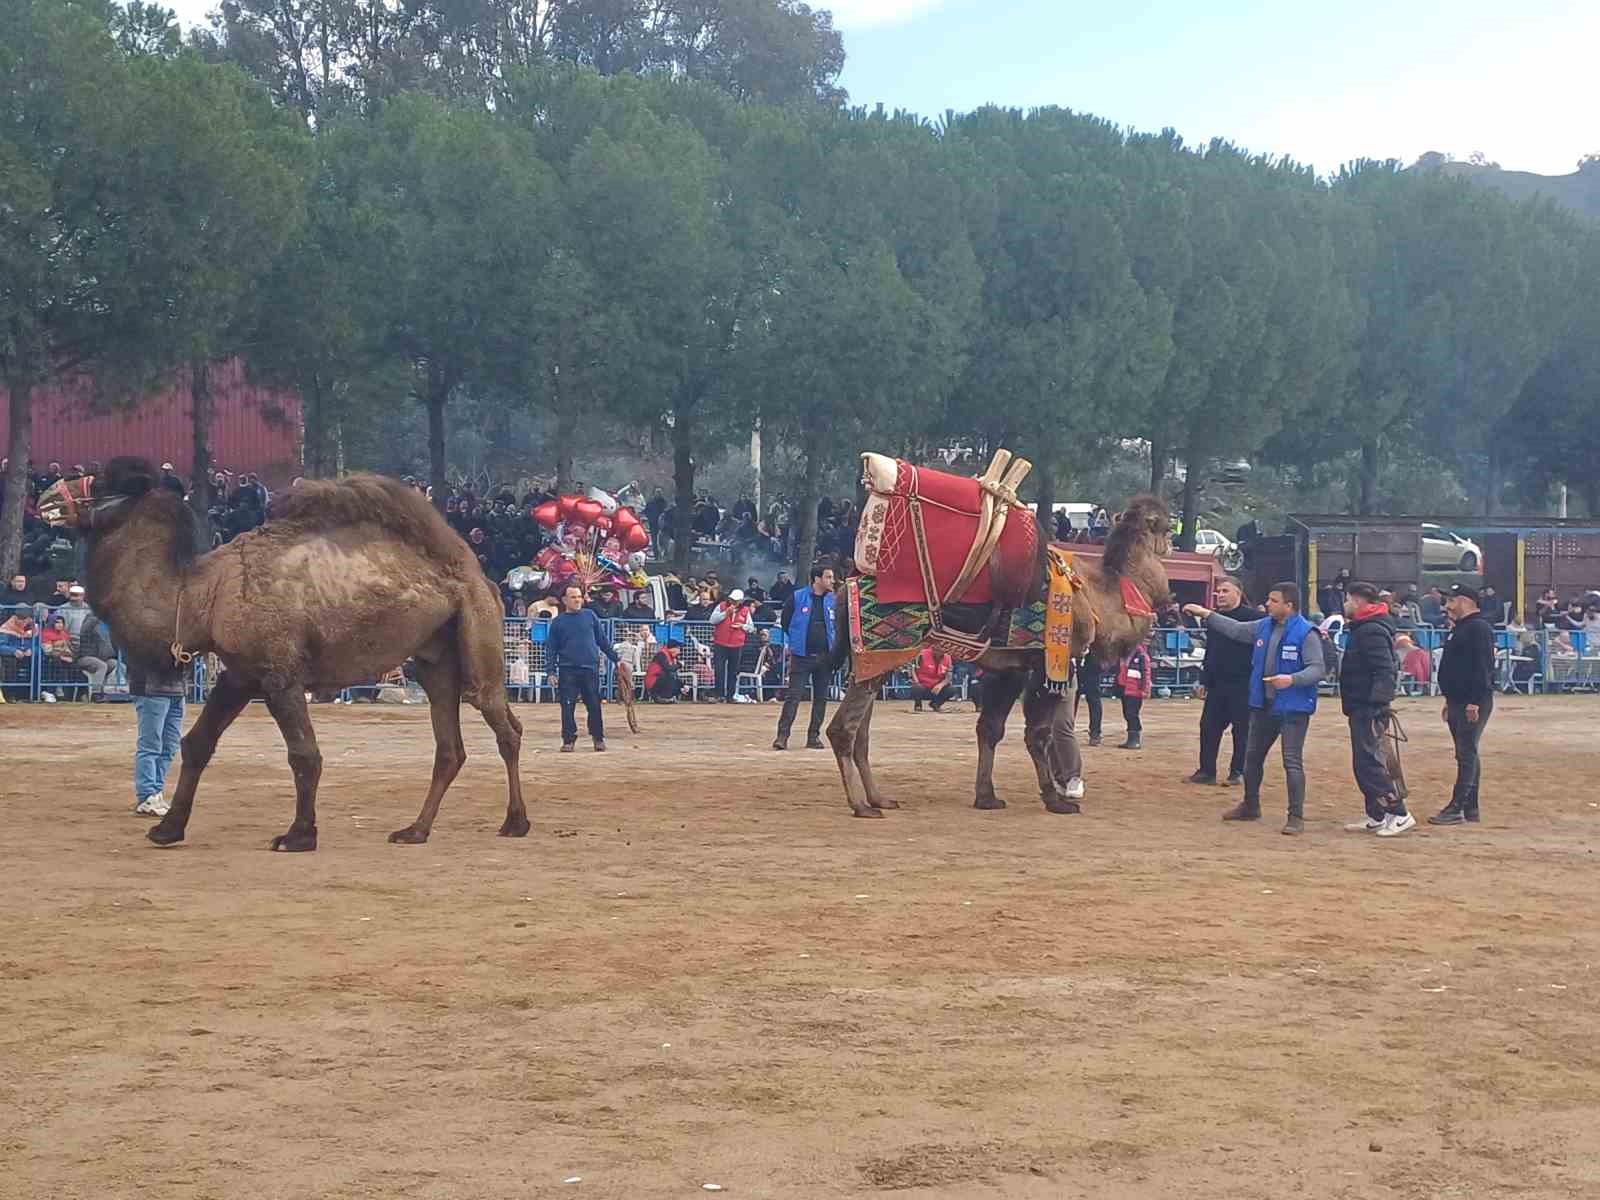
1286 664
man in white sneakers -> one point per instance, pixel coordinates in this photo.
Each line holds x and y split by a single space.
158 701
1367 675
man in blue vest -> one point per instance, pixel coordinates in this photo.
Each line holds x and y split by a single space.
811 633
1286 665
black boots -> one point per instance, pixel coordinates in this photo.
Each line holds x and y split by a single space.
1132 742
1243 811
1201 777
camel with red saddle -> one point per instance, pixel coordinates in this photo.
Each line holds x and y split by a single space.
958 563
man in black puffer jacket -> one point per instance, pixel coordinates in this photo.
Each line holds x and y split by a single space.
1466 677
1366 689
1225 686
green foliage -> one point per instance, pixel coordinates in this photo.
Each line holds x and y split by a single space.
581 221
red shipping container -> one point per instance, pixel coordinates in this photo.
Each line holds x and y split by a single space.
252 428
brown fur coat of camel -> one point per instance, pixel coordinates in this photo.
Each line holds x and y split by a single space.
345 582
1100 621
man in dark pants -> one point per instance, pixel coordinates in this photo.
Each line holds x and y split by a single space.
1466 677
1286 665
576 643
1089 690
1225 688
1366 690
808 623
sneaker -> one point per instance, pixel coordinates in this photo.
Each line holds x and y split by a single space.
1200 777
1075 788
780 744
1293 826
568 748
152 806
599 744
47 697
1096 740
1365 825
1235 778
743 699
1394 824
1243 812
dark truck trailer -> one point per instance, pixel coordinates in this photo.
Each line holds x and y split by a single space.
1518 556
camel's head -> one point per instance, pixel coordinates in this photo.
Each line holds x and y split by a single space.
97 502
1152 523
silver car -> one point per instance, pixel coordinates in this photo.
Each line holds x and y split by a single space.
1443 550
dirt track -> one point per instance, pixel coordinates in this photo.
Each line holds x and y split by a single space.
700 969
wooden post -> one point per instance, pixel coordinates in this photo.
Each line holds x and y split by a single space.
1522 573
1310 597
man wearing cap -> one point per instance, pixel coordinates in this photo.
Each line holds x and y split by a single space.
732 623
170 480
1466 677
75 611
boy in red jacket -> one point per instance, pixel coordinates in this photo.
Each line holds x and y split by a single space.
1133 685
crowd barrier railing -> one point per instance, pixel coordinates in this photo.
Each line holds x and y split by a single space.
1533 662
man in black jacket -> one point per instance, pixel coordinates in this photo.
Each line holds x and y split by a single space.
1366 689
1466 677
1225 687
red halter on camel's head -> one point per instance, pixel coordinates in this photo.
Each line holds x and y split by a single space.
61 503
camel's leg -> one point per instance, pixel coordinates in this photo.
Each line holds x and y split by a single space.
1000 692
288 708
864 768
224 703
508 737
481 642
441 680
1042 710
843 731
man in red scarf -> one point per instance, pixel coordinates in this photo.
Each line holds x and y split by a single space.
1367 676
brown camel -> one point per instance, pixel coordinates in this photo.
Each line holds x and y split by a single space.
1100 621
346 582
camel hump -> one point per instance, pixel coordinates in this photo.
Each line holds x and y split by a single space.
318 506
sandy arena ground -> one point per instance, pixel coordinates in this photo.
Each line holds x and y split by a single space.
699 969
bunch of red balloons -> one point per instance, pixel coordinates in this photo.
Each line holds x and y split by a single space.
589 513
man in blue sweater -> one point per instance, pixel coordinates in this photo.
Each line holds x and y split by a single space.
576 643
1286 665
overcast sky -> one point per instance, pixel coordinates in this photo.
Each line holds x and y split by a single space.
1323 82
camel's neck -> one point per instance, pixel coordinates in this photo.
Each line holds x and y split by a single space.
134 584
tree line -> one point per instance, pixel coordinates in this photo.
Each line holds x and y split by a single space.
665 215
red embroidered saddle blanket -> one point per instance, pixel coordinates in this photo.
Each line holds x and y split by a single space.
950 511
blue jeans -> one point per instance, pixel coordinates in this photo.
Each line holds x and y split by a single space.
160 729
573 684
